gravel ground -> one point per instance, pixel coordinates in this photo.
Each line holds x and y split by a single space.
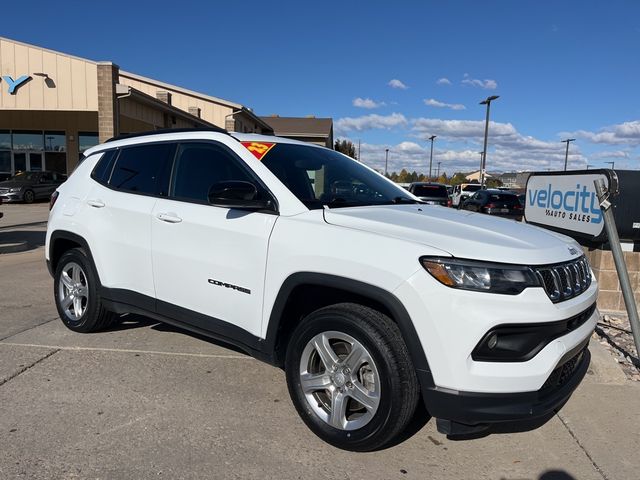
614 332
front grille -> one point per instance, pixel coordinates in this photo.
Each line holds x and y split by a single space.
4 190
565 280
564 372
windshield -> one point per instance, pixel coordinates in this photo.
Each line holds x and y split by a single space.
24 176
471 188
320 177
439 191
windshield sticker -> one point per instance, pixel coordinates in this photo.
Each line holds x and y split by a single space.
259 149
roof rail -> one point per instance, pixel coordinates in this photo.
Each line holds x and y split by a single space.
168 130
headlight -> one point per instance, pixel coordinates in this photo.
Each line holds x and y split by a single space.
15 189
480 276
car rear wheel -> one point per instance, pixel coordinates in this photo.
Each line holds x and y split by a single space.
350 377
29 196
76 290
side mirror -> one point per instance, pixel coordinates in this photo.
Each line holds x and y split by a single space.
238 194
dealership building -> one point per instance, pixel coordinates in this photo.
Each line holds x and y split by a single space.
53 106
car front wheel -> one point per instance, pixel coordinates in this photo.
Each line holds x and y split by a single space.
350 377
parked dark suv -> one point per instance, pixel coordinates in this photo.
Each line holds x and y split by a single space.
495 202
29 186
433 193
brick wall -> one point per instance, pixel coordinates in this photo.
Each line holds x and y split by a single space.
610 294
108 114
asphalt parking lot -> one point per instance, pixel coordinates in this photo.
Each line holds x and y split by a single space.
145 400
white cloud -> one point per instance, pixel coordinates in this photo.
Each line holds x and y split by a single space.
627 133
443 81
395 83
610 154
487 84
456 129
432 102
369 122
366 103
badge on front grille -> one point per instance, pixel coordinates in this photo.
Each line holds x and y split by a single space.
573 251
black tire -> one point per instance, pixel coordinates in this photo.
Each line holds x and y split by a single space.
398 393
28 196
94 316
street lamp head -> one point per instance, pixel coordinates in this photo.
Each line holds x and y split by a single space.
568 140
489 99
432 137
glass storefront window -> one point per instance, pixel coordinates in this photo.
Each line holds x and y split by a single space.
55 142
5 162
25 140
5 140
87 140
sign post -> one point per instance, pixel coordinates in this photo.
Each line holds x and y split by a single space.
618 259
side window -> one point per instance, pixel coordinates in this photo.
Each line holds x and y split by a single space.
143 169
199 165
102 170
46 177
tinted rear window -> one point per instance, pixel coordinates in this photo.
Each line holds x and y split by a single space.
143 169
471 188
102 170
430 191
503 198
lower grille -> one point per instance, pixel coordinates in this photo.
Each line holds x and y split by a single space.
563 373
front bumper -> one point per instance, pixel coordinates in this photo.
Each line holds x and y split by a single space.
11 197
481 409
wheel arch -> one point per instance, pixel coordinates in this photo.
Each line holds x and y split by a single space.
62 241
304 292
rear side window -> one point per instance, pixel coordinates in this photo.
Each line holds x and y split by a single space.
102 170
503 198
143 169
199 165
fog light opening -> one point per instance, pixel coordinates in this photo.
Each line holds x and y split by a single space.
493 341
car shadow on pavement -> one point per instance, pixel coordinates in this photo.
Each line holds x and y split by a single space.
130 321
556 475
14 241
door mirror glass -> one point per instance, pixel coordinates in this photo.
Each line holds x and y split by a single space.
238 194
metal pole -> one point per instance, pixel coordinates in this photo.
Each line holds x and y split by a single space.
618 259
432 137
359 159
483 163
386 160
613 165
566 153
438 174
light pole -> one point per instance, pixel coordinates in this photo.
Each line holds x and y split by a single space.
432 137
438 174
481 158
386 160
566 153
613 165
486 102
589 166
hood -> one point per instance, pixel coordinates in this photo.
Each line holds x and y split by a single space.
461 233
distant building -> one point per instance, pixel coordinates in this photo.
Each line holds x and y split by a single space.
53 106
509 179
475 176
307 129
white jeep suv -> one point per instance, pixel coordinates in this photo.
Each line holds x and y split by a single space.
371 300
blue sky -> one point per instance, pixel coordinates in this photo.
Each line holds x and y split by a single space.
561 69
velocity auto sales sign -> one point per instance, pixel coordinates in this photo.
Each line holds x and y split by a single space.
565 202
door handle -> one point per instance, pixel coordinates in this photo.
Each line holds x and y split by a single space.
169 217
95 203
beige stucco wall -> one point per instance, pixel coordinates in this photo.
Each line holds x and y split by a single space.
72 85
210 111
